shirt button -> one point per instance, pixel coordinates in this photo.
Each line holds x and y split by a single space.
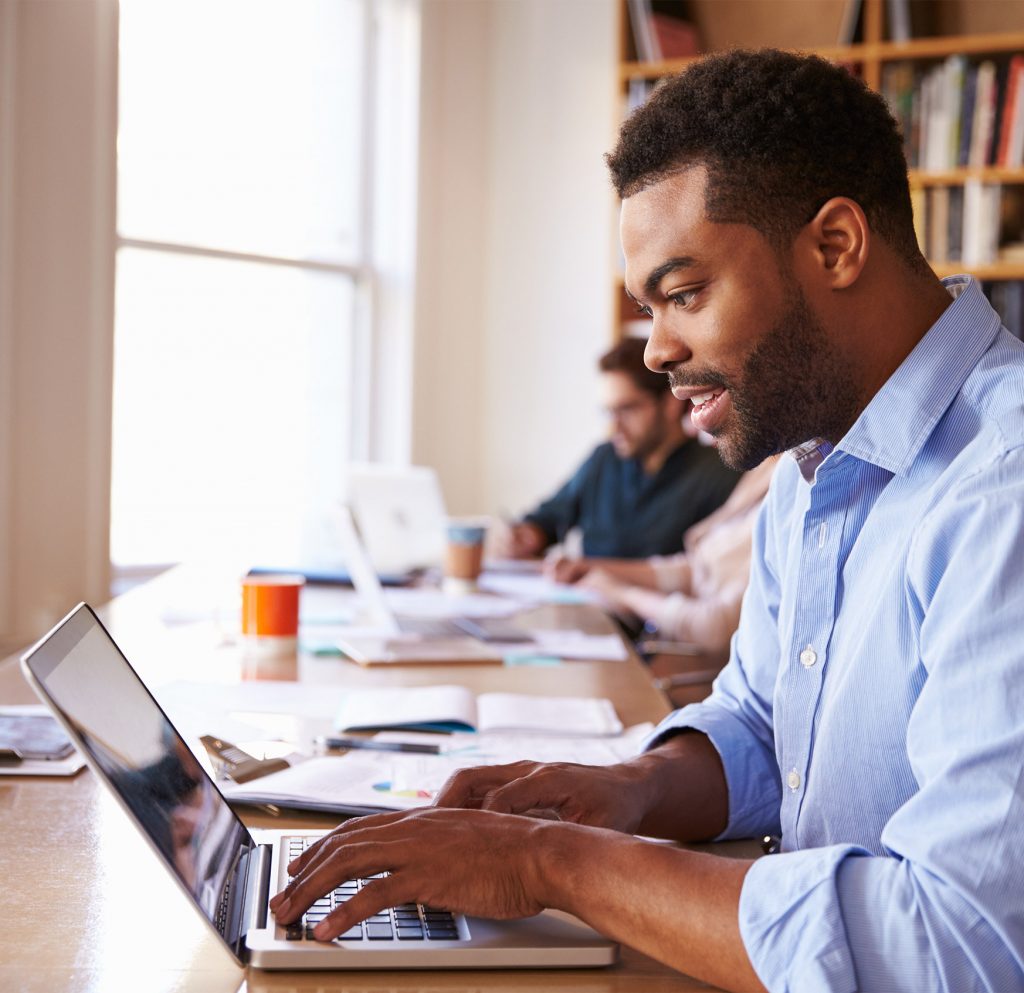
793 780
808 657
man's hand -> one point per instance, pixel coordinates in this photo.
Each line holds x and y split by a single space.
521 540
606 586
562 569
598 796
675 791
467 861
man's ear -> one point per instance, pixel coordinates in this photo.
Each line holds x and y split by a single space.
838 239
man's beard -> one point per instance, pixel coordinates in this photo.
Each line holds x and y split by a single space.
794 386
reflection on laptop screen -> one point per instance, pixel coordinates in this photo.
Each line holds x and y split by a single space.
145 760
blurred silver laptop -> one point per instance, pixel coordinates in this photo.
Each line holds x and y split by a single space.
400 513
229 873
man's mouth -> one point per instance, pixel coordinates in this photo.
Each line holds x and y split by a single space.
701 399
709 405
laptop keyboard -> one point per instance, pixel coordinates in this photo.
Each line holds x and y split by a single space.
409 922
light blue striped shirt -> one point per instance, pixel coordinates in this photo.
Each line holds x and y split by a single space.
873 707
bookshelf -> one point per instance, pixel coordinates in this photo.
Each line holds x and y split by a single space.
971 30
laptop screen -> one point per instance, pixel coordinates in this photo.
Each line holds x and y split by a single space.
142 757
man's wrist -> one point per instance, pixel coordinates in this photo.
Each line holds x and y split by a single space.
681 788
558 852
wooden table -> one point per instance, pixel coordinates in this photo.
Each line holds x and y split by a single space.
73 917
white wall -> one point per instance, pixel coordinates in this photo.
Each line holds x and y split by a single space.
514 297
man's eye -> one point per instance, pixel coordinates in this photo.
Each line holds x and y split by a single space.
683 298
642 308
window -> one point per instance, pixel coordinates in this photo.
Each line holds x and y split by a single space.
253 265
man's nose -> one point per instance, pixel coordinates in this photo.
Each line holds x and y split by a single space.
665 350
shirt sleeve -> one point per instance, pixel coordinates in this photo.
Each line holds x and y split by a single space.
737 717
941 908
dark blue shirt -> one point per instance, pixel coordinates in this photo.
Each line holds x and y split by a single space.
624 513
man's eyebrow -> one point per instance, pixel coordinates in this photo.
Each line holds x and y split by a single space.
657 275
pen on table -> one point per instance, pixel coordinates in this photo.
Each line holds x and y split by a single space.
371 744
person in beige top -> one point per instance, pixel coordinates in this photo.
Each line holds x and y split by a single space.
695 595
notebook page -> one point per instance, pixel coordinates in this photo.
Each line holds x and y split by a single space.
551 715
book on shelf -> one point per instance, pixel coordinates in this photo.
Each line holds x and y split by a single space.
941 107
983 122
1007 298
958 224
955 226
659 32
637 93
674 37
1015 143
967 110
900 28
954 81
980 223
643 33
850 22
918 203
938 225
1012 109
899 92
1002 72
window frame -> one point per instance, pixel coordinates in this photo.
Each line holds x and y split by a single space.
382 276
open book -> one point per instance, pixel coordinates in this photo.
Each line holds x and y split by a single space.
455 708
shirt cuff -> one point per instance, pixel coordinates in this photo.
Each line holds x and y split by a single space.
751 770
791 921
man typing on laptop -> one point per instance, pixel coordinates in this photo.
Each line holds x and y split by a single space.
868 713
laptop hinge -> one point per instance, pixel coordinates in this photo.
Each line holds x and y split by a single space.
257 886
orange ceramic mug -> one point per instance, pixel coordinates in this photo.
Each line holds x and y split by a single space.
270 611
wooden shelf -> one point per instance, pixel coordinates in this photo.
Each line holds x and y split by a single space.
939 48
669 67
997 272
957 177
883 51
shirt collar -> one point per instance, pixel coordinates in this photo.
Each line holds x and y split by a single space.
810 455
893 427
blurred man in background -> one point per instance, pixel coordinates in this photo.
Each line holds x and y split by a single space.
638 492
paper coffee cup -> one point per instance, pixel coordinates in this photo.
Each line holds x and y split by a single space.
464 552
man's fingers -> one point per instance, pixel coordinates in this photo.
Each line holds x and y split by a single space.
323 845
350 860
370 900
537 792
324 849
469 787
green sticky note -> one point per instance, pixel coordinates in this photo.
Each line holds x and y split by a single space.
531 658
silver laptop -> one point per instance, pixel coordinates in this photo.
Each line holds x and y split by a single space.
393 624
228 872
401 515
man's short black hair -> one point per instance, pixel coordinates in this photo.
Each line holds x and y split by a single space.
780 134
627 357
